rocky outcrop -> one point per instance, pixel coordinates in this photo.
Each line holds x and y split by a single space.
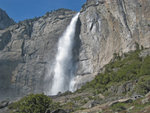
5 20
27 51
108 27
4 104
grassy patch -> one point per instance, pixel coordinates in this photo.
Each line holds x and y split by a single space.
119 107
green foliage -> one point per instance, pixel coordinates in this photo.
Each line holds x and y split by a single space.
143 86
37 103
90 97
116 56
77 98
118 107
84 101
145 68
137 46
68 106
130 67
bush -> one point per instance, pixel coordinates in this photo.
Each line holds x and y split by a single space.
118 107
69 106
143 86
145 68
37 103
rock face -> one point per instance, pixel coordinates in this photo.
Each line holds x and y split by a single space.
107 27
5 20
27 49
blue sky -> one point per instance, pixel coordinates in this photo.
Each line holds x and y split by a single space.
26 9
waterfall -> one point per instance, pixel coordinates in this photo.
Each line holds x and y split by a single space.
64 66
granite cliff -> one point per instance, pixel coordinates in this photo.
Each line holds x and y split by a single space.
5 20
108 27
105 27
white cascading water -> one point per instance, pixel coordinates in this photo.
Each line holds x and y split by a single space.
64 68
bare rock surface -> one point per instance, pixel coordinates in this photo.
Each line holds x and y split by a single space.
5 20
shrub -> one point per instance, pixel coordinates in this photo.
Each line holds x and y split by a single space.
37 103
118 107
145 68
69 106
143 86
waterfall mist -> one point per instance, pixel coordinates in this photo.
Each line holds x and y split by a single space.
64 68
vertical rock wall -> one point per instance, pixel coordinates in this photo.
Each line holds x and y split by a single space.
108 27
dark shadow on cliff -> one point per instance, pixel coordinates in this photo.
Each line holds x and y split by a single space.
77 45
6 88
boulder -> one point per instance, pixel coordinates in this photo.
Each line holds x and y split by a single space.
4 104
